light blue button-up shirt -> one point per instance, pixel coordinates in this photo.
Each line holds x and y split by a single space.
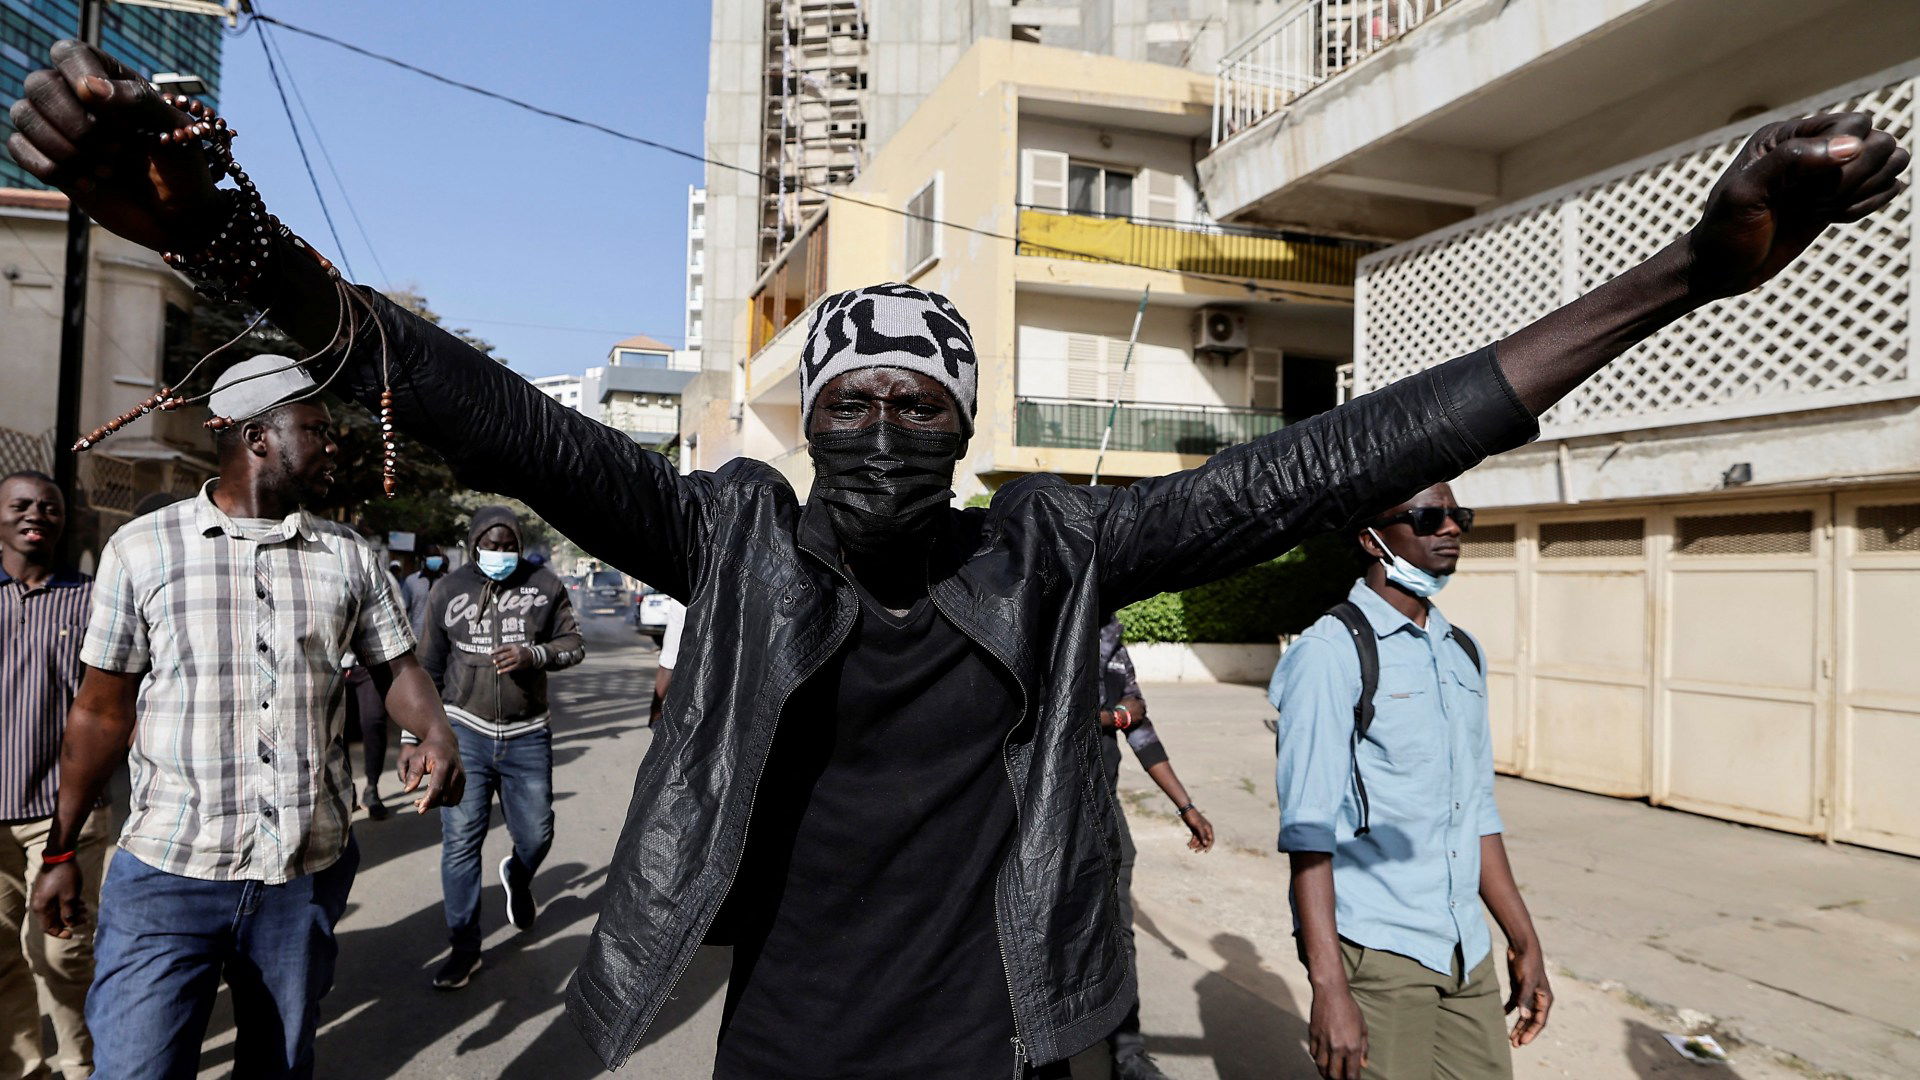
1412 884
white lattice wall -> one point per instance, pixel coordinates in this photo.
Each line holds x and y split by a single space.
1835 328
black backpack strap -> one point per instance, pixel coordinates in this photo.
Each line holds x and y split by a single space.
1465 641
1368 649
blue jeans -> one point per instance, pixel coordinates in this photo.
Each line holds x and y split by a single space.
164 942
520 770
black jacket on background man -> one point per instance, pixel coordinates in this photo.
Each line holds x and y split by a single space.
1027 579
468 615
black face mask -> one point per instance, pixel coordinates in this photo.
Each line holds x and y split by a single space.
882 483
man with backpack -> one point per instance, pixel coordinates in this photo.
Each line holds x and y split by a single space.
1385 780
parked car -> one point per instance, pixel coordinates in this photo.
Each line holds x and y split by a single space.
606 592
650 613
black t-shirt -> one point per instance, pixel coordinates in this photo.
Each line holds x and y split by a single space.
863 913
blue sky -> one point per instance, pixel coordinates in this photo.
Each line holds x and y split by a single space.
497 216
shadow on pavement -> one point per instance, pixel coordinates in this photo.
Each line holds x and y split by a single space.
1250 1026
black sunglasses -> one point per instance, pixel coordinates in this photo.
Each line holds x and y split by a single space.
1426 519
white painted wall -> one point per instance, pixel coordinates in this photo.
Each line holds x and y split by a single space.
1130 150
1164 367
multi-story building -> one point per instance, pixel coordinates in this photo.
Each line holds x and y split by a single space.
1698 586
564 389
806 92
695 328
150 40
637 390
137 311
1072 174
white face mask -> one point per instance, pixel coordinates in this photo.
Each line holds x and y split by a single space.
1419 582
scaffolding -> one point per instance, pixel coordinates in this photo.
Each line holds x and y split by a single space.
813 127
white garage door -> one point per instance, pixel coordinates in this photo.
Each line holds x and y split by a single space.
1744 676
1591 654
1879 672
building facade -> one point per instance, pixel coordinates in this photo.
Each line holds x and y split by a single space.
1694 588
695 327
637 390
136 309
147 39
809 91
1072 173
564 389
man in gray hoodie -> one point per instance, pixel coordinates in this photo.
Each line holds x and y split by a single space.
494 628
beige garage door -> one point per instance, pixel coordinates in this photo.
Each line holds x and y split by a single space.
1590 658
1878 622
1744 676
1484 598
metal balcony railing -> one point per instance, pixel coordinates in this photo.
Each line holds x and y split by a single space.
1190 247
1070 424
1301 49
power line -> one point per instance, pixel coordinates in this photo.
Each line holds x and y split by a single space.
345 195
654 144
274 70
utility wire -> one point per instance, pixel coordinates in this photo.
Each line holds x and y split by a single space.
274 70
829 193
345 195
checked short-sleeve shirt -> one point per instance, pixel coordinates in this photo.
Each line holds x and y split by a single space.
239 773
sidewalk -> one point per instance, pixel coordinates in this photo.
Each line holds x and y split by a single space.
1803 959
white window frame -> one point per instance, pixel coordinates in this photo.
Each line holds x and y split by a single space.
1135 189
917 267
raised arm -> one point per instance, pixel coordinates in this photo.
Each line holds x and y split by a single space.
88 126
1254 501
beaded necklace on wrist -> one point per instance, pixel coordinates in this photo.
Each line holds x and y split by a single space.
229 268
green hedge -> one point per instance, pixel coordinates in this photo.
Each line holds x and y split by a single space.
1256 605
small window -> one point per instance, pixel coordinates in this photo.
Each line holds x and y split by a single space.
1098 190
923 234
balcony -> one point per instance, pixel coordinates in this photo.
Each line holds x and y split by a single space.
1302 49
790 286
1190 248
1067 424
1834 329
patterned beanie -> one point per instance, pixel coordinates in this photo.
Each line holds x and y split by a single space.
890 325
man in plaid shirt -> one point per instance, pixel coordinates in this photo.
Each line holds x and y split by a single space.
213 662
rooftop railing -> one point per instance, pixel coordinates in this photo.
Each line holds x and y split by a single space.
1301 49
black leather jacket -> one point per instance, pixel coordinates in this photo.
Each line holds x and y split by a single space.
1028 579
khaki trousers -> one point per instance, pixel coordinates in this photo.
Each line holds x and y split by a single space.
1422 1025
40 973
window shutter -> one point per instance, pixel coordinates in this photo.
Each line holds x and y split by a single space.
1085 370
1263 378
1163 195
1045 176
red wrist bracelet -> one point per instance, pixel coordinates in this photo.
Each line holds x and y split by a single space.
47 859
1122 717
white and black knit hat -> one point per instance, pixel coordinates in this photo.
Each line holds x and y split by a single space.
890 325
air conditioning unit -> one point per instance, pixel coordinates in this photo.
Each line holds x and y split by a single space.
1219 330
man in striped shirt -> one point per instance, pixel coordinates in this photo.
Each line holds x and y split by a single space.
43 614
219 623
